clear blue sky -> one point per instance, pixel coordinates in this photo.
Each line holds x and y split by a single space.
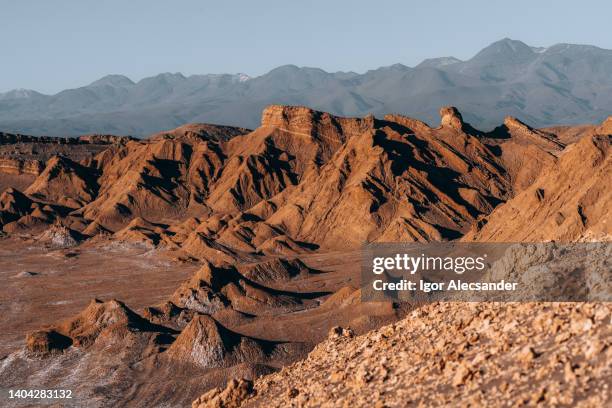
49 45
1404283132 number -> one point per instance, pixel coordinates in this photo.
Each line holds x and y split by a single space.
40 394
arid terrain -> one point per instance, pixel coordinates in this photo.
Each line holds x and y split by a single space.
150 272
42 281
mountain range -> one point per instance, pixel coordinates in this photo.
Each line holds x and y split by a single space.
561 84
150 272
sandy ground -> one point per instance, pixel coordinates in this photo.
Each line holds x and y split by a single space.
42 285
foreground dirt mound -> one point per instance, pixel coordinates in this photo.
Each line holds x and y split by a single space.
214 288
60 237
107 320
456 354
275 270
206 343
232 396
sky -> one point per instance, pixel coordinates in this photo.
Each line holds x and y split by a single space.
53 45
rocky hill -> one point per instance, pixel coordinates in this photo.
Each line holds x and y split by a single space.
295 182
568 203
273 220
449 355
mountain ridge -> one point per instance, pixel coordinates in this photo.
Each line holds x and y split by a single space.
558 85
290 184
270 224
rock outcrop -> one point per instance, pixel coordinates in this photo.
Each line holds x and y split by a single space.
296 183
606 127
450 116
21 166
206 343
232 396
567 203
518 129
520 353
109 321
65 182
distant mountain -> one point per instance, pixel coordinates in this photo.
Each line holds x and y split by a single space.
561 84
438 62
